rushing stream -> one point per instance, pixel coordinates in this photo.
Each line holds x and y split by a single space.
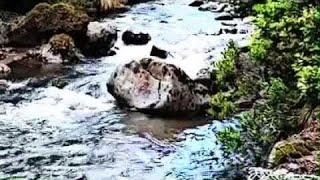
78 132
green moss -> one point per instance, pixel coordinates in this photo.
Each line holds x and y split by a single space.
61 43
78 4
45 20
288 149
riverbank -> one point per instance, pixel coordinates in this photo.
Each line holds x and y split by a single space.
272 87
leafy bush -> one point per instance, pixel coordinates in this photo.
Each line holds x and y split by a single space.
285 48
231 138
222 105
286 42
259 48
226 73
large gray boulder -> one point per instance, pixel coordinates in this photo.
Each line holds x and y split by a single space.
154 86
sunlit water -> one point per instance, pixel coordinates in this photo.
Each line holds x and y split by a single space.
78 132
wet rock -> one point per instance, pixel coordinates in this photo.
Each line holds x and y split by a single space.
221 8
27 60
4 85
45 20
218 33
224 17
245 102
37 82
298 153
229 24
210 6
243 31
4 28
153 86
129 37
4 70
100 39
2 55
155 51
60 49
208 83
231 31
196 3
30 63
164 22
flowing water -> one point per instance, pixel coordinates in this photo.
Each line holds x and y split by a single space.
78 132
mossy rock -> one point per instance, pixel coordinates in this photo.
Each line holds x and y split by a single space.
61 43
284 150
61 47
296 146
45 20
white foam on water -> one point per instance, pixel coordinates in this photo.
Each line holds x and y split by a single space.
55 106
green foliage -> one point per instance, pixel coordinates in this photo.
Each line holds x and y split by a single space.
247 85
318 160
259 48
309 82
277 91
222 105
286 41
280 77
226 73
231 138
262 125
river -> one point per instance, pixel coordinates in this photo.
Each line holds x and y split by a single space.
78 131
